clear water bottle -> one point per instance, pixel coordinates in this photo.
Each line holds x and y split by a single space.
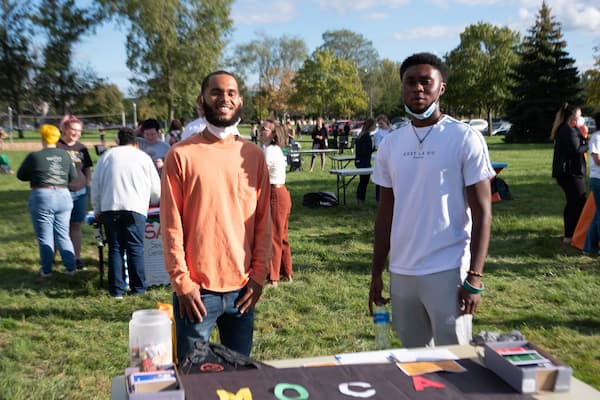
381 319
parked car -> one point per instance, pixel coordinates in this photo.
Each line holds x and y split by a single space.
480 124
307 129
591 124
500 127
399 122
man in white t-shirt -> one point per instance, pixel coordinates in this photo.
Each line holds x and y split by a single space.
593 233
197 125
434 214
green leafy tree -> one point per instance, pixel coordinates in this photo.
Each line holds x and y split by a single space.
171 46
275 61
591 84
101 99
328 86
386 89
16 61
480 69
545 77
63 24
351 46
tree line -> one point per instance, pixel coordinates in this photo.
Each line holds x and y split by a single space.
172 44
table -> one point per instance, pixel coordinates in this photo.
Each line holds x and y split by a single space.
341 175
579 390
341 161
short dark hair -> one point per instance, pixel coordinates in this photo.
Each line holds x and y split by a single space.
425 58
207 78
126 136
150 123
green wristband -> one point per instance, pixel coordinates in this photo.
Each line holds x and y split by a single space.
472 289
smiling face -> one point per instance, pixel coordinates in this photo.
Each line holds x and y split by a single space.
72 133
422 85
221 101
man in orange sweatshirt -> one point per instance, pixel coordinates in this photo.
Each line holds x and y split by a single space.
216 224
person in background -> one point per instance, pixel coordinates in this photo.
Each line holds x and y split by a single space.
124 184
216 224
434 214
175 131
274 136
71 127
254 133
3 135
197 125
568 164
49 172
383 129
319 137
362 157
593 233
290 131
151 143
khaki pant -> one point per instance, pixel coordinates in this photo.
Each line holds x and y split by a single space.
425 309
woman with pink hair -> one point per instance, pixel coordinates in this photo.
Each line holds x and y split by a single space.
70 128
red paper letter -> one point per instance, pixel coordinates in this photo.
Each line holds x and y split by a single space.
421 383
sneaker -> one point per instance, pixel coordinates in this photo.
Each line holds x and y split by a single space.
71 273
117 296
271 284
45 275
567 240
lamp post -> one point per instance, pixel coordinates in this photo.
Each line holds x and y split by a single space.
134 115
10 124
369 92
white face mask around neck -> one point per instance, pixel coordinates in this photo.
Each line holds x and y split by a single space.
221 132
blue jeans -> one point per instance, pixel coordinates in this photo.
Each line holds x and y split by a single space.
80 202
235 329
593 233
125 233
50 211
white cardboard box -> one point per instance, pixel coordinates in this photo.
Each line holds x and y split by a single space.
555 378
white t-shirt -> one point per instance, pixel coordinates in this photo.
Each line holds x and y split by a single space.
431 226
124 179
196 126
594 148
276 163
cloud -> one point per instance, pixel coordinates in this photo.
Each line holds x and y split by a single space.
343 6
377 16
429 32
254 12
581 16
479 2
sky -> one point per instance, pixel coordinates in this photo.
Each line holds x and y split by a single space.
397 28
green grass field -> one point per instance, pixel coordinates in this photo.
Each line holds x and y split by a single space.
67 338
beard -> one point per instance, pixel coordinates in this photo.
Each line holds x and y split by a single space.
210 115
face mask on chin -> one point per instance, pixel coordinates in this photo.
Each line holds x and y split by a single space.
425 114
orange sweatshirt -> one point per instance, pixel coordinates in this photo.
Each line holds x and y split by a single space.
215 214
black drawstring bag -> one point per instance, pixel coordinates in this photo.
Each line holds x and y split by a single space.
206 357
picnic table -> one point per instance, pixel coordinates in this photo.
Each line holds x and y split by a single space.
342 174
345 176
